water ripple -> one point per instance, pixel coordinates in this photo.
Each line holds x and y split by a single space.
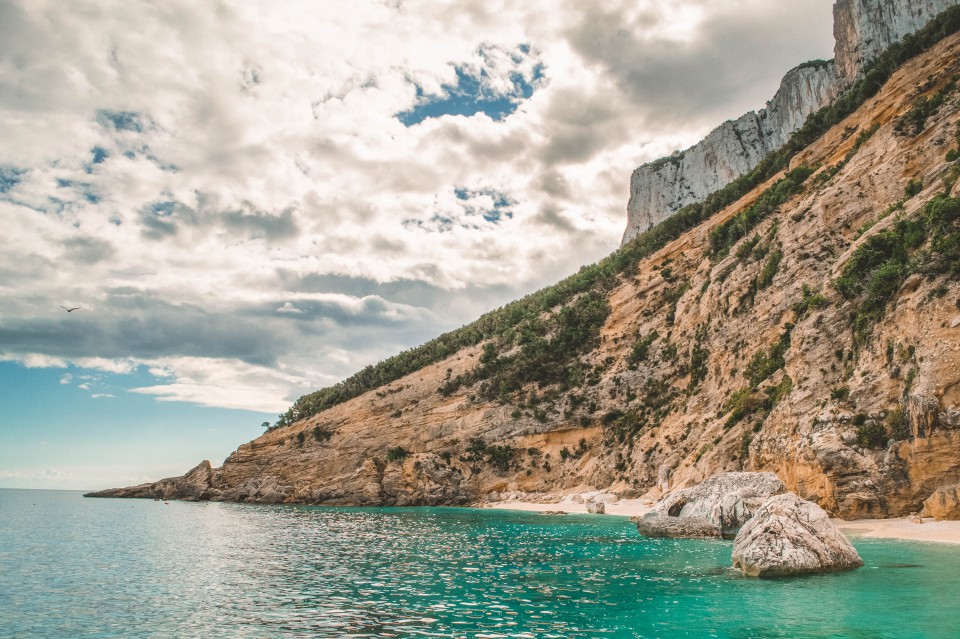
113 568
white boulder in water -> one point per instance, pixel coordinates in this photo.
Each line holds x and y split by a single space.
791 536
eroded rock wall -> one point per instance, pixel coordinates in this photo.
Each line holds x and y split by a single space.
863 29
659 189
642 423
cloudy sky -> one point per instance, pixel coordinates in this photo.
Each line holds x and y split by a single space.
249 200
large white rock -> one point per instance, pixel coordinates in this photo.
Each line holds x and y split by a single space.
791 536
716 508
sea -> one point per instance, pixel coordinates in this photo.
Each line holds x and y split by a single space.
72 567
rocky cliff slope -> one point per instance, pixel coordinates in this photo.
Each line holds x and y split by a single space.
810 328
863 29
661 188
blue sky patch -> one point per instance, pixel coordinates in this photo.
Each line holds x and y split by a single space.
85 189
436 224
120 120
162 209
9 177
99 154
494 206
475 92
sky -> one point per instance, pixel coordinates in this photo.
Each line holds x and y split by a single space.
251 200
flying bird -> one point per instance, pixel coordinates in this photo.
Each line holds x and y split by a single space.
69 310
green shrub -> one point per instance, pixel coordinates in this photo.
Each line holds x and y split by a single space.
699 357
770 269
500 457
397 454
764 363
733 230
913 188
603 275
749 402
840 394
914 121
862 139
746 247
641 348
809 300
871 435
898 424
671 298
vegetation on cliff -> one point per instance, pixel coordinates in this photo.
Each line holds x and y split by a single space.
879 266
538 338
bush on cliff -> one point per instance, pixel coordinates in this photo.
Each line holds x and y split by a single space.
603 275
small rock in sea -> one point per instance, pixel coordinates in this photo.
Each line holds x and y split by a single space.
596 507
791 536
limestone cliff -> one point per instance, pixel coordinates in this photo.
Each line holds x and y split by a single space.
862 28
810 329
660 188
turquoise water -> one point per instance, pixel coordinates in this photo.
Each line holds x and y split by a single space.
73 567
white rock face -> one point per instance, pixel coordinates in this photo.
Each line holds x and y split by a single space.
791 536
661 188
863 29
716 508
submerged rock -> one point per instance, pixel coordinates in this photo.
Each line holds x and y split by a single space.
716 508
791 536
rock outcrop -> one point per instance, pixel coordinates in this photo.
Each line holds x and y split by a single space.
943 504
596 507
863 29
200 483
718 507
703 361
791 536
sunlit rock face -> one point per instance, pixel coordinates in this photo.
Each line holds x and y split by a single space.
791 536
863 29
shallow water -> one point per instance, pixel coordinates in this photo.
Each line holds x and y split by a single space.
74 567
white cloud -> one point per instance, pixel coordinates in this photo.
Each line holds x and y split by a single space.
227 194
223 383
